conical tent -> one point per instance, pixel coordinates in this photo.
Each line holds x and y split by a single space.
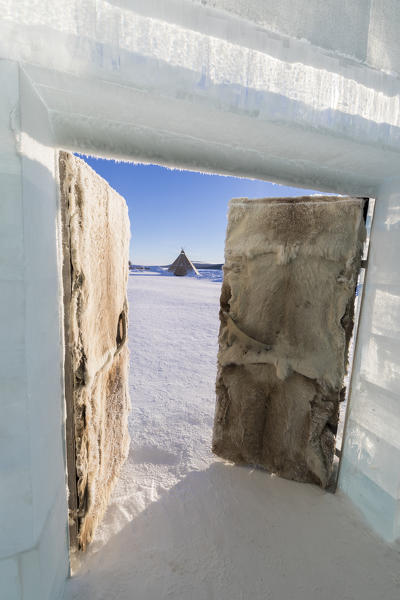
182 265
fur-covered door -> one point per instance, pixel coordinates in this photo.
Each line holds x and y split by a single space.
96 235
290 275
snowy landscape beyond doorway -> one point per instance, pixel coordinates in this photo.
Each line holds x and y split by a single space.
173 341
182 523
173 333
167 205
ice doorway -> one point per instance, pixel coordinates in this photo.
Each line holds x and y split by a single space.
163 491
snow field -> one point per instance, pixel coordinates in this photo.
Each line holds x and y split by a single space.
183 524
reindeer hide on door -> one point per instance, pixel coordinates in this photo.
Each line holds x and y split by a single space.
96 236
290 276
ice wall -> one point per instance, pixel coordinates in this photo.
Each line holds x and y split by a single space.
298 92
33 517
370 472
234 87
365 30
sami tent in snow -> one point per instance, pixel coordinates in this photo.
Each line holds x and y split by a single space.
182 265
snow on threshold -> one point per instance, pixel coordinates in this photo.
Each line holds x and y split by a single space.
183 524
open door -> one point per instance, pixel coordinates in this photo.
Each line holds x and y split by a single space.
287 301
96 237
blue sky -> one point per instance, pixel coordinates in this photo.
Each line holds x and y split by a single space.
170 209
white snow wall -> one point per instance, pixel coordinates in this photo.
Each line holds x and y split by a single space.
33 509
305 93
295 92
370 473
362 29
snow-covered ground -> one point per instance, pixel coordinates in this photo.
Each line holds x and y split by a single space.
184 525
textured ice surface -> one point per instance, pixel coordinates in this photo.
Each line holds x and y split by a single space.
312 117
260 90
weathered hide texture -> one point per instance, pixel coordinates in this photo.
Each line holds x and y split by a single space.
290 274
96 237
